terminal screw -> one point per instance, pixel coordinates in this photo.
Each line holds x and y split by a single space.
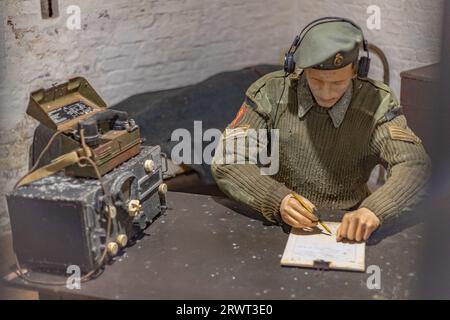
122 240
162 189
149 166
112 248
134 206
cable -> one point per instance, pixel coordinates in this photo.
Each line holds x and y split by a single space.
272 120
279 100
378 52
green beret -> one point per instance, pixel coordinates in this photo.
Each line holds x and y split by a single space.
330 45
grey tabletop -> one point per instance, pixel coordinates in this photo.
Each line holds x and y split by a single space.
207 247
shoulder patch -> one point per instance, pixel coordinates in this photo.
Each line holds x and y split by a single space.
239 115
236 132
403 134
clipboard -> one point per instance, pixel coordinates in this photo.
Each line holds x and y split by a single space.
315 248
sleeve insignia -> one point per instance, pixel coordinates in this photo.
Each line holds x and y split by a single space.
403 134
239 115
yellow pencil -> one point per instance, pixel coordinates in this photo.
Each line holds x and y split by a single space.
310 210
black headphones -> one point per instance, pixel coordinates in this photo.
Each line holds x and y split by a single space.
289 62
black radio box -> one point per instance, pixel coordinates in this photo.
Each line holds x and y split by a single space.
60 220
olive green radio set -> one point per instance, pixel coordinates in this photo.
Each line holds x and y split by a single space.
100 191
75 106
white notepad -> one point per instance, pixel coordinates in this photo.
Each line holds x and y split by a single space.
317 249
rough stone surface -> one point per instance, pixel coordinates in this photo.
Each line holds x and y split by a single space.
125 47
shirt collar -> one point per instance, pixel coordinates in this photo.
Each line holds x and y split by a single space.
306 102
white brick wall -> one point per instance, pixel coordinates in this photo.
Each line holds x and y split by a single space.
409 35
132 46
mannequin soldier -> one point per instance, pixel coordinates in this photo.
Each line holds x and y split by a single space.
335 125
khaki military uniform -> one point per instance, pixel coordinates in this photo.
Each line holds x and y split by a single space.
326 155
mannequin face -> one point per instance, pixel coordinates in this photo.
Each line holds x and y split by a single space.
328 86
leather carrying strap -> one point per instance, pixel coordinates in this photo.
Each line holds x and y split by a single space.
56 165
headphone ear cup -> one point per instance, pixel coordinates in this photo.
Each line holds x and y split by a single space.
363 67
289 63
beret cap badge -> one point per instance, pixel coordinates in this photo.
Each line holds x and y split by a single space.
338 60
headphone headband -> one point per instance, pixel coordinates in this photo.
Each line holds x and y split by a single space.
289 63
298 39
